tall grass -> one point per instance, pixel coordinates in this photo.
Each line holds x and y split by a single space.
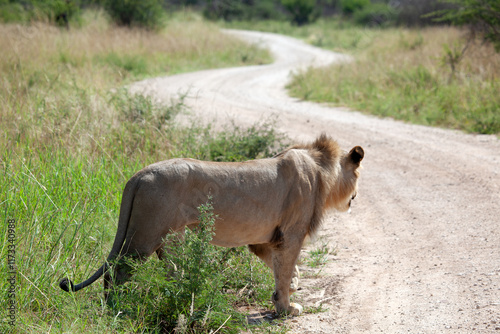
70 139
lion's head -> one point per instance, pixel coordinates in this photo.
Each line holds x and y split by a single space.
346 187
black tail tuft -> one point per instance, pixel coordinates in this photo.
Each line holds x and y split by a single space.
65 284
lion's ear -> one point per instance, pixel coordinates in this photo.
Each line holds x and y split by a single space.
356 155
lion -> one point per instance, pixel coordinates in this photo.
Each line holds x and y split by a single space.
269 204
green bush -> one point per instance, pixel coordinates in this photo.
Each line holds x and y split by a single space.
350 6
60 11
376 14
227 10
302 11
266 10
12 12
55 11
239 144
230 10
143 13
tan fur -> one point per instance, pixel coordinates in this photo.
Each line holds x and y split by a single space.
269 204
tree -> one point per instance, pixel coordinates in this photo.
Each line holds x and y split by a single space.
482 16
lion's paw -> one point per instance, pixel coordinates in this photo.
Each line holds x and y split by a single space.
295 309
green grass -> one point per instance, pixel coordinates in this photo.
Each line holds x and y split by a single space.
414 75
319 256
72 138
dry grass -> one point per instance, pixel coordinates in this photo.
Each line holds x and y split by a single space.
404 48
55 83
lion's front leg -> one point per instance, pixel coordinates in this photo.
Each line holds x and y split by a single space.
264 252
285 275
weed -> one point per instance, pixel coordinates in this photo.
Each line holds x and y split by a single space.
452 56
315 309
319 256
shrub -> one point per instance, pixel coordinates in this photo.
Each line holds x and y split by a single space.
142 13
230 10
376 14
267 10
12 12
350 6
414 13
239 144
55 11
303 11
227 10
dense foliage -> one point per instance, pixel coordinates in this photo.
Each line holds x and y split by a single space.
145 13
302 11
483 14
351 6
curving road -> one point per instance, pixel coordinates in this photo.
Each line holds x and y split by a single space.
421 251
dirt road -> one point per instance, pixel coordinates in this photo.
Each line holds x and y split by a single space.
420 252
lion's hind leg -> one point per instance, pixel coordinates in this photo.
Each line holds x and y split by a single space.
119 273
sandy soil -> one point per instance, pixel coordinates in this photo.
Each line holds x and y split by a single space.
420 253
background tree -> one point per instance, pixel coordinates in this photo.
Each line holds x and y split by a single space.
482 16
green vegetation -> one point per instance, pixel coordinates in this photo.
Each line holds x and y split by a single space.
72 138
59 12
319 255
302 11
375 15
351 6
144 13
150 13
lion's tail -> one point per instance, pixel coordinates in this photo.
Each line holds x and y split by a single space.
123 221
